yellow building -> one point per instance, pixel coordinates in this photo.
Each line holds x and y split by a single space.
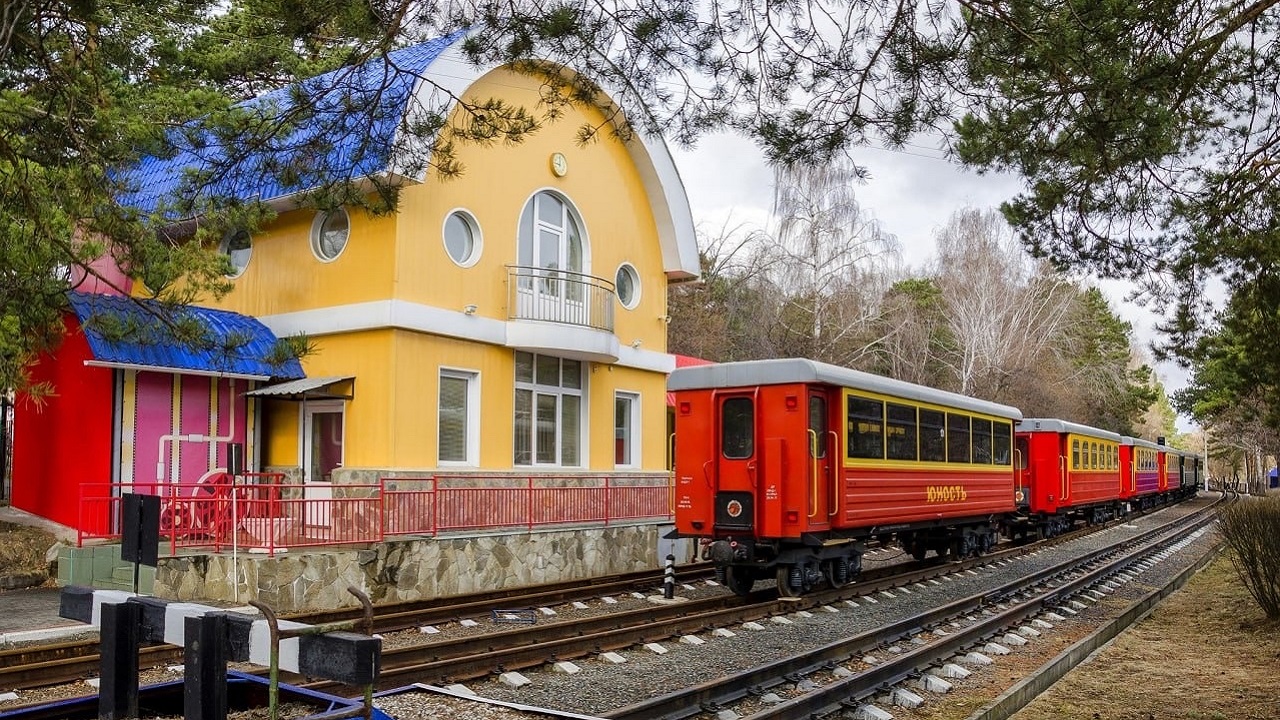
511 319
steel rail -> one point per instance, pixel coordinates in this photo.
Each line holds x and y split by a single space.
710 695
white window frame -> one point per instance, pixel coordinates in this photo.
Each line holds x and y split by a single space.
472 378
630 270
559 391
317 233
477 237
633 441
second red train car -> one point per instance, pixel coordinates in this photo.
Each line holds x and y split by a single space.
1065 472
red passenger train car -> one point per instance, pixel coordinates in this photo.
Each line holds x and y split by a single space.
1065 472
1142 472
783 468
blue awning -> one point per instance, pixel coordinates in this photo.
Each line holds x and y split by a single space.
212 342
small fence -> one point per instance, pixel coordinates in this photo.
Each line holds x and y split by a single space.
258 512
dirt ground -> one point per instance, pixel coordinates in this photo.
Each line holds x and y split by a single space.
1206 653
23 548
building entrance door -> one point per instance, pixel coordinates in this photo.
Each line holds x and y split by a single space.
321 455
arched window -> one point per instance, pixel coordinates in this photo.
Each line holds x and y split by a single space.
551 241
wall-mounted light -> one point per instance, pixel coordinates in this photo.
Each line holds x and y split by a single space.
635 343
665 318
469 309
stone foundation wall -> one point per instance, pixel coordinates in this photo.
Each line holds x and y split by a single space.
413 569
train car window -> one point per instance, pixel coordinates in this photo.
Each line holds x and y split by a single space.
982 441
958 438
737 418
901 432
818 423
1075 454
1093 455
1001 434
866 428
933 436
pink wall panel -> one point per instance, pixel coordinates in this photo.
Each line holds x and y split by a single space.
154 419
193 457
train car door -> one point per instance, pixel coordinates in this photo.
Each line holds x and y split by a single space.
737 462
823 493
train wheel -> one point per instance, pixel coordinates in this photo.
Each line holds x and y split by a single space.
919 551
740 580
837 572
790 581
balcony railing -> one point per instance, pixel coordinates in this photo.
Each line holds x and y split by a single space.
559 296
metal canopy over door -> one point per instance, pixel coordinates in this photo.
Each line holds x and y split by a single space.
322 434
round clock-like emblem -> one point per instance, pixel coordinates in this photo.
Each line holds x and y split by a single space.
734 508
559 165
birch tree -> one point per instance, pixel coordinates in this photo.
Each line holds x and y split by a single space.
1004 311
829 260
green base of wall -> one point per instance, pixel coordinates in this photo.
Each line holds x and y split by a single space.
100 566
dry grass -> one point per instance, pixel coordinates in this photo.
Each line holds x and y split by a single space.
23 548
1206 653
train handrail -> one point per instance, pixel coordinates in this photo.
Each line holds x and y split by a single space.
835 475
1062 472
813 472
671 463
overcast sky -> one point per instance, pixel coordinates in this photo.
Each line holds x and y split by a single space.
912 193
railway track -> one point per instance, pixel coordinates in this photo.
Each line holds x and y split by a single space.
995 612
49 664
464 658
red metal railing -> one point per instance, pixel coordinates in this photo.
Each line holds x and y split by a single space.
259 512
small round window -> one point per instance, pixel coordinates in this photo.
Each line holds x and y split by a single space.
238 247
462 238
627 283
329 234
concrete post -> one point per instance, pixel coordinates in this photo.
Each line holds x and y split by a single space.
669 578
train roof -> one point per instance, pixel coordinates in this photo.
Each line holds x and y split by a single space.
799 370
1143 443
1064 426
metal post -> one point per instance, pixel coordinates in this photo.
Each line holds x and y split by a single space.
669 579
273 689
121 631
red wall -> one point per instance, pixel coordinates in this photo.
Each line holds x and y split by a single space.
64 440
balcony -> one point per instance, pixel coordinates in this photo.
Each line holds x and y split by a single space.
561 312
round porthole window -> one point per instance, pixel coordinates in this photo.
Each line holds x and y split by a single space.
329 234
462 238
627 283
238 247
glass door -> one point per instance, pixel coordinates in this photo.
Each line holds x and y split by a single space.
321 455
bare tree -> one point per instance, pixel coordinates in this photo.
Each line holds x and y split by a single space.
829 260
1004 311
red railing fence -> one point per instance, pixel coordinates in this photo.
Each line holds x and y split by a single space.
259 512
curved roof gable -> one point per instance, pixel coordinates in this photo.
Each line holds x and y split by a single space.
351 127
349 136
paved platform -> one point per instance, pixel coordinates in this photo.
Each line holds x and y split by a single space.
32 614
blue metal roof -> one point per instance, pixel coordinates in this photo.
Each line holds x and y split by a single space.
231 343
348 132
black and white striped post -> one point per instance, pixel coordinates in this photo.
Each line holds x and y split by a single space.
669 579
